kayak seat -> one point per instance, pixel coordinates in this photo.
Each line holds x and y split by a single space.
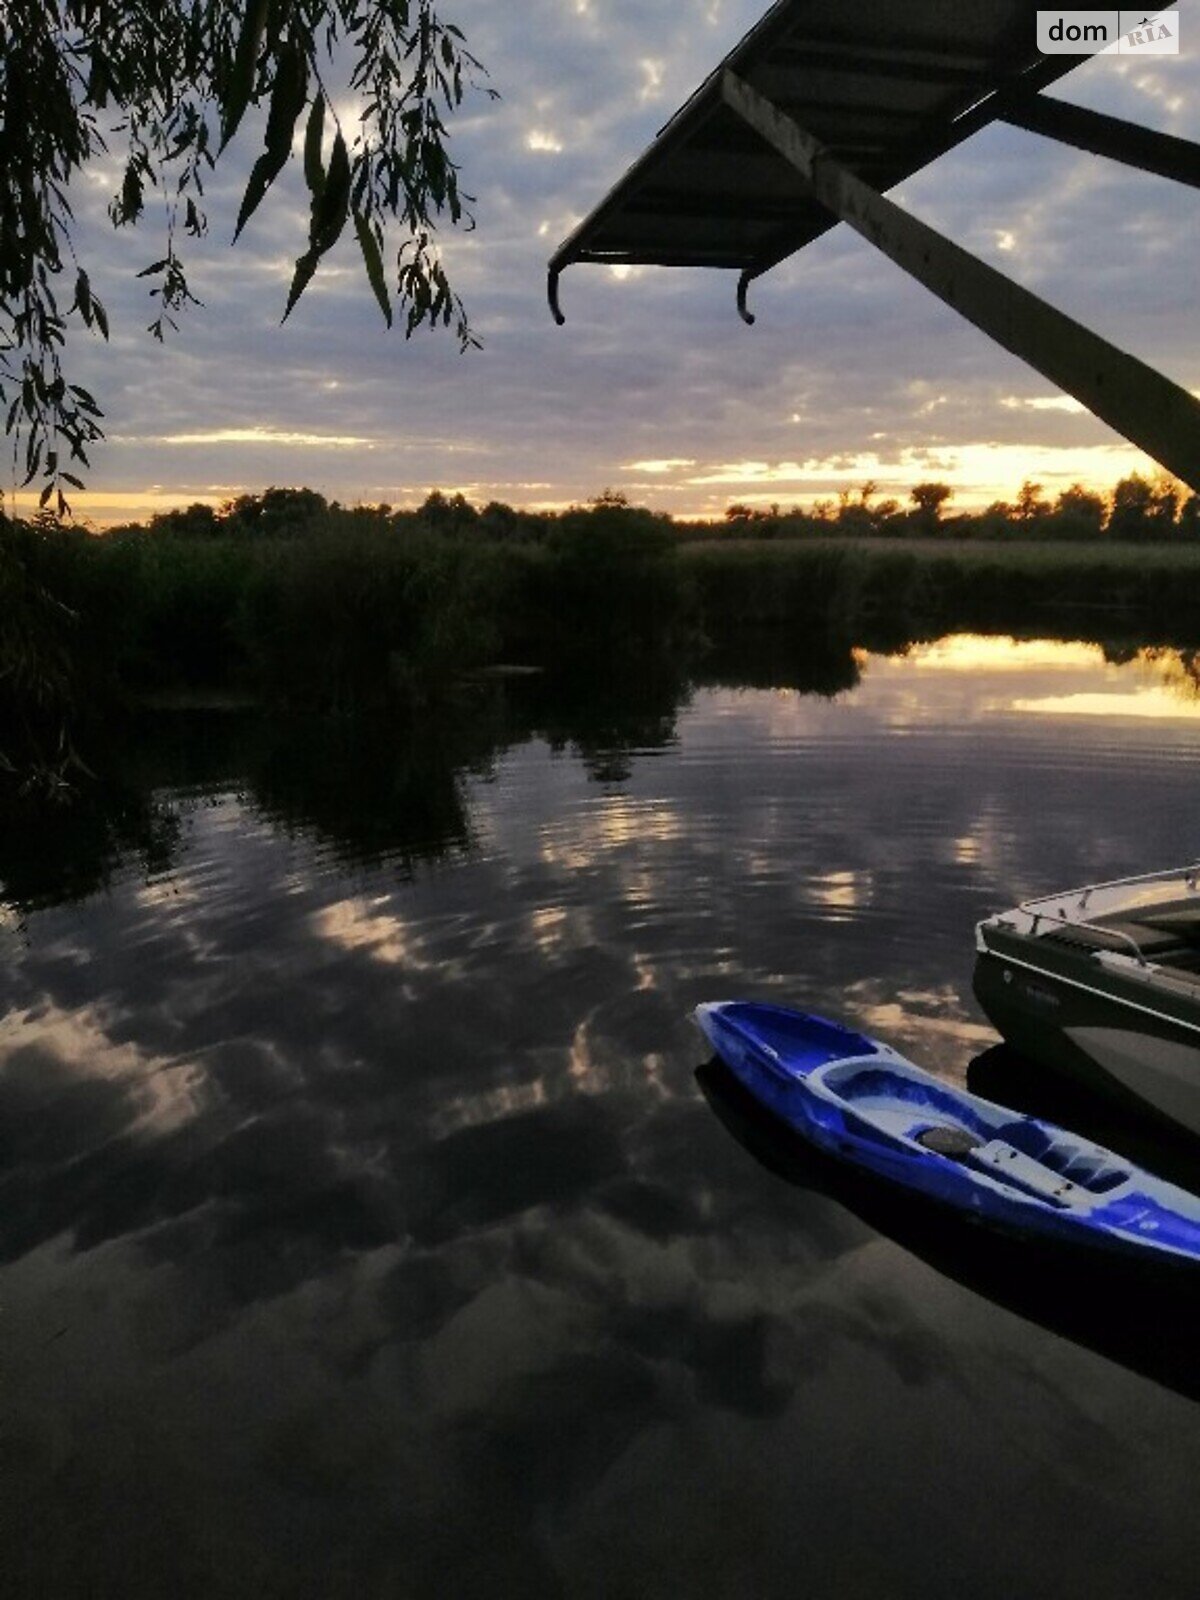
944 1140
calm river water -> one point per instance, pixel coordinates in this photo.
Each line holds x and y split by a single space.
366 1230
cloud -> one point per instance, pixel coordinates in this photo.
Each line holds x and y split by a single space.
1044 402
273 436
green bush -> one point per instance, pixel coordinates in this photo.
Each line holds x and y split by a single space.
608 578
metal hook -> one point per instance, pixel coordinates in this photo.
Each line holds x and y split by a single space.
552 292
746 315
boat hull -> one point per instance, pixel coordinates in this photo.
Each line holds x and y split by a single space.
1121 1044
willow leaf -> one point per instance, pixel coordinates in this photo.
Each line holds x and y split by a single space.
314 133
241 80
287 102
374 264
306 265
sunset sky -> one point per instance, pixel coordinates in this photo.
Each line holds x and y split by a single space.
654 386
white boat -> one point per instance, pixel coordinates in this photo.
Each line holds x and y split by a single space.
1103 983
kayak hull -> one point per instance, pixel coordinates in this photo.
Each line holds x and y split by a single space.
869 1107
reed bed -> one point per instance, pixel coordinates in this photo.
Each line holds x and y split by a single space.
344 612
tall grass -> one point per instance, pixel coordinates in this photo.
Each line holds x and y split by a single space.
355 613
39 669
366 612
353 621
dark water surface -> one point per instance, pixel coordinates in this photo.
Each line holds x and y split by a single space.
365 1228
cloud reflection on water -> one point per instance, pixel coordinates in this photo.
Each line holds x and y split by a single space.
370 1187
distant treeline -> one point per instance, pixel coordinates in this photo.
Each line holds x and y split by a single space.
1137 509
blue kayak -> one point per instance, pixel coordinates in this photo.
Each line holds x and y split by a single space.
865 1104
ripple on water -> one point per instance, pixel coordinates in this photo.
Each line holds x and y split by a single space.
361 1218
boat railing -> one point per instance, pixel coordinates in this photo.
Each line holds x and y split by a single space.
1092 927
1188 876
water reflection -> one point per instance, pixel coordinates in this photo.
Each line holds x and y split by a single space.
1141 702
1153 682
362 1224
377 792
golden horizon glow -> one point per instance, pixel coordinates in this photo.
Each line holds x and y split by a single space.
104 508
978 473
754 484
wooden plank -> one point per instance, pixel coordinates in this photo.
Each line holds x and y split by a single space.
1101 135
1151 411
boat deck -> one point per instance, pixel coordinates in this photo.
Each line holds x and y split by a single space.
1166 935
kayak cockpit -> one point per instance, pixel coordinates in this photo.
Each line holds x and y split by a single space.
901 1104
1020 1150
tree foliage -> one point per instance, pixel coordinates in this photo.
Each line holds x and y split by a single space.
929 498
164 85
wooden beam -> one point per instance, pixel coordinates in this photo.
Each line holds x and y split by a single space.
930 143
1101 135
1151 411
